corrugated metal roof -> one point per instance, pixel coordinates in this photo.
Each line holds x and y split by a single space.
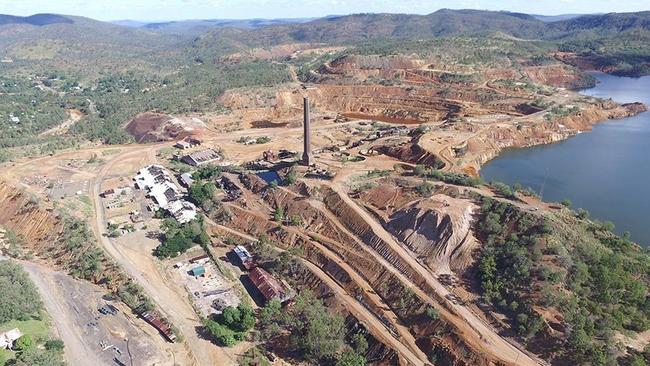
267 284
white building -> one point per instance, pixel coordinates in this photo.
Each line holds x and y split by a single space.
186 179
160 187
8 338
182 211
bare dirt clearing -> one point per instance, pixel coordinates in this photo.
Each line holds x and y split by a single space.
90 337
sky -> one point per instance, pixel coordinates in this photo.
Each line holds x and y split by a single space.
157 10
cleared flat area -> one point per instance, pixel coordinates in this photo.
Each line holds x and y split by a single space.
90 337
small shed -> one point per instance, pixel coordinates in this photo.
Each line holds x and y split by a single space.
186 179
198 271
182 145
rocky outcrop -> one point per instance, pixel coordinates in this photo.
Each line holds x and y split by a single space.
154 127
412 153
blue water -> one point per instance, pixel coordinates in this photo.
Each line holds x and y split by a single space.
270 176
605 171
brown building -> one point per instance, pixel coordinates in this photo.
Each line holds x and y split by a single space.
201 157
270 287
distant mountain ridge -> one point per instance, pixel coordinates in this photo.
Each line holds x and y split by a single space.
199 25
559 17
36 19
69 38
359 27
442 23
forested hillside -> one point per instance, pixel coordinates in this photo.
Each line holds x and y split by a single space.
52 64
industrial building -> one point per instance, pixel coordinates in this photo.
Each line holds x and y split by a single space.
201 157
244 256
269 286
160 187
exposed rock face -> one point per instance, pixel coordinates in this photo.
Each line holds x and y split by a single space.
487 144
437 230
412 153
42 230
635 108
562 76
154 127
23 215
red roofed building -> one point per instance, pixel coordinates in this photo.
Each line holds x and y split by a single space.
269 287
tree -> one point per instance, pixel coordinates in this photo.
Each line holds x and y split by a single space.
36 357
220 333
202 192
316 332
295 220
23 343
359 343
291 178
232 325
270 312
247 317
638 360
206 172
351 358
420 170
278 214
425 189
432 313
271 319
19 299
54 345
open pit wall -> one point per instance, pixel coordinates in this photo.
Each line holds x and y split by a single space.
41 230
400 288
487 145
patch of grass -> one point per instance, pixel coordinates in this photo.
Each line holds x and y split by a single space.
254 356
37 329
5 355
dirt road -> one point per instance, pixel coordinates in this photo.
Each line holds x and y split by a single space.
143 269
477 331
91 338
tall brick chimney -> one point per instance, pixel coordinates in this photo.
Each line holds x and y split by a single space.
306 155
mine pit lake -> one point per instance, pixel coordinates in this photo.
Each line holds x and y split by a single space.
605 171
